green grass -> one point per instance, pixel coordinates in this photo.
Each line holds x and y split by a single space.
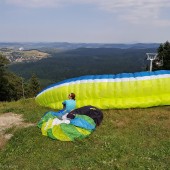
27 107
126 139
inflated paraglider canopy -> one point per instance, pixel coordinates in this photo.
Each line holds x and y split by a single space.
126 90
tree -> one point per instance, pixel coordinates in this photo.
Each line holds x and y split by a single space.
4 93
3 62
10 84
34 86
163 59
16 86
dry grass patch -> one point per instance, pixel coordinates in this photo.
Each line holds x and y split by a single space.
7 121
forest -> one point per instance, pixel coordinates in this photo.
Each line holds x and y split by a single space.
27 79
83 61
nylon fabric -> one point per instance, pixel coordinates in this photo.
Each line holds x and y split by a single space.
80 122
59 134
83 131
81 127
126 90
71 131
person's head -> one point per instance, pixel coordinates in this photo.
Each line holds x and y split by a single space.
72 96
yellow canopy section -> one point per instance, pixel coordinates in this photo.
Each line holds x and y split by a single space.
126 90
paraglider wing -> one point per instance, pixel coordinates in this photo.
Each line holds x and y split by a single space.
126 90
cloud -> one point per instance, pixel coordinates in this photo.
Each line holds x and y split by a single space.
35 3
134 11
162 23
103 4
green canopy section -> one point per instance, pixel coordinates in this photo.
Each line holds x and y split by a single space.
66 130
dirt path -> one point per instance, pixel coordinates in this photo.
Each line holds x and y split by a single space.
9 120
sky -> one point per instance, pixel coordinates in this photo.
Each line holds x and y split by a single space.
85 21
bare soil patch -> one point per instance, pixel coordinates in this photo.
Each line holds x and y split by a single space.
9 120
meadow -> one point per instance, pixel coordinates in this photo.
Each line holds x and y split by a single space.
127 139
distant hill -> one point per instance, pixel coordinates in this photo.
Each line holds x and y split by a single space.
68 46
20 55
84 61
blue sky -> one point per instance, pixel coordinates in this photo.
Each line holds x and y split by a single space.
89 21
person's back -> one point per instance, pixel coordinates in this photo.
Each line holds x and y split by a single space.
69 105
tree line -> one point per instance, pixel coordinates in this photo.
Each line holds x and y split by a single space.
83 61
71 64
13 87
162 62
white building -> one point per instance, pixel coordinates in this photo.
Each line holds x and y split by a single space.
21 49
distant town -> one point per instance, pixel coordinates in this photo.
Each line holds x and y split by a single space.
20 55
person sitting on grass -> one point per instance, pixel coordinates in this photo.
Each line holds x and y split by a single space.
68 106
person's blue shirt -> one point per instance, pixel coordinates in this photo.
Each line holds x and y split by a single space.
69 105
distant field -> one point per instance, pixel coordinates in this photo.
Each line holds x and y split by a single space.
22 56
126 139
36 53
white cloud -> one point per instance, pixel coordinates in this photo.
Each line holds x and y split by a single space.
162 23
137 11
103 4
134 11
35 3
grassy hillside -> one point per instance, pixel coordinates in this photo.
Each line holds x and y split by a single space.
126 139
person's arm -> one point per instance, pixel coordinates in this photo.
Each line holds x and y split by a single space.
64 104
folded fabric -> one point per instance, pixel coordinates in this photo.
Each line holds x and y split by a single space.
66 130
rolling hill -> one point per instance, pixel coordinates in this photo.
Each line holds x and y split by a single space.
84 61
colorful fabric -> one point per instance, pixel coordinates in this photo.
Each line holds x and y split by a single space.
126 90
59 114
66 130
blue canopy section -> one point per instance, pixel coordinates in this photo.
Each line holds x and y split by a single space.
110 76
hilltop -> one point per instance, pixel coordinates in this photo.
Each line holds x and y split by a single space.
126 139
